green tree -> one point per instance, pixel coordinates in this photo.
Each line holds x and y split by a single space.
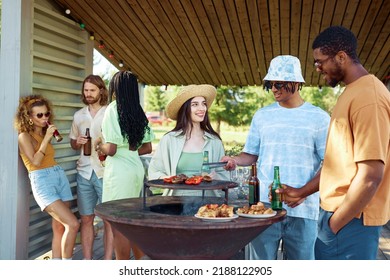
156 99
237 105
325 98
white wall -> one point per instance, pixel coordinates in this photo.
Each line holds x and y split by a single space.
15 79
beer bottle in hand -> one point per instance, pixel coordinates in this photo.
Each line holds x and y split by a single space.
254 186
276 202
88 145
56 134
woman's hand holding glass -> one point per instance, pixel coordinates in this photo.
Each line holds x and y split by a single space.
102 156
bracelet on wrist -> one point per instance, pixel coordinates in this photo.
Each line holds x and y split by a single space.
42 152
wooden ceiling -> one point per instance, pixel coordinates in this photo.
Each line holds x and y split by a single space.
227 42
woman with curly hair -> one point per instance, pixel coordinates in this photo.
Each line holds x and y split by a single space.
49 184
127 135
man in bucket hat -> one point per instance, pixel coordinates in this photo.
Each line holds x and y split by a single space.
291 134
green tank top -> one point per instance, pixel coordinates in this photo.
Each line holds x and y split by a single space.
190 164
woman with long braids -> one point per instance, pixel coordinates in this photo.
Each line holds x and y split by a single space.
49 184
127 135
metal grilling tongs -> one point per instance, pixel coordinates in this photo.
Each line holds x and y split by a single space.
215 164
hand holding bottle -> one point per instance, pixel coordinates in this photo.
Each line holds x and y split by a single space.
276 200
292 197
52 129
81 140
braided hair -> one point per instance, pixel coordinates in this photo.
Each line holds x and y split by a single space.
132 119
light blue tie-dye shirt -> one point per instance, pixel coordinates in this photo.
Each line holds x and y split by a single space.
294 139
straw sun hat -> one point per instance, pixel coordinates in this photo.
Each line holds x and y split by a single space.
188 92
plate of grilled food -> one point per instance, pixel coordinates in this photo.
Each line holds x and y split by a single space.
256 211
216 213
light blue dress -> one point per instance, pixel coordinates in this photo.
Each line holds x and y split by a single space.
124 172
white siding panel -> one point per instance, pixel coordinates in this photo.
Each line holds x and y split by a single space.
60 61
15 63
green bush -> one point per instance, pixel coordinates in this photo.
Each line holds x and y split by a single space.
233 148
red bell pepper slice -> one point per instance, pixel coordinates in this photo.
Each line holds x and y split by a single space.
189 181
168 180
194 180
197 181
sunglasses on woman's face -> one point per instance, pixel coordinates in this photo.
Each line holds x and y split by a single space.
40 115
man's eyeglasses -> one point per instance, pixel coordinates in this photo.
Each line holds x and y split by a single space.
40 115
319 63
278 85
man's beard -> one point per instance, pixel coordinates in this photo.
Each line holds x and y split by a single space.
333 82
339 76
91 100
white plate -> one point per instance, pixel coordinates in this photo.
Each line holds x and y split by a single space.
217 220
257 216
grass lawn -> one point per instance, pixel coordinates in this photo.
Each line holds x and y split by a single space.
233 138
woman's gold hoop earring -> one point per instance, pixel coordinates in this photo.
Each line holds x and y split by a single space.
30 122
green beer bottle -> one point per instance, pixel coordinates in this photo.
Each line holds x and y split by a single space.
276 202
205 168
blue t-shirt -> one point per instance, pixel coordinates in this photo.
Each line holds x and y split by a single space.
293 139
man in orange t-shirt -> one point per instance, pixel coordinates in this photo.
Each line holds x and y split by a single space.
355 179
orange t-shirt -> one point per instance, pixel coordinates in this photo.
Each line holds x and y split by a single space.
359 130
47 161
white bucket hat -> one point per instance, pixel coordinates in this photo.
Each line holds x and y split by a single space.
187 92
285 68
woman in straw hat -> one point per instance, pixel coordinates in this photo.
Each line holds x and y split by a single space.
180 151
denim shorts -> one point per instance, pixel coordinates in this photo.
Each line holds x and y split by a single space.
49 185
354 241
89 193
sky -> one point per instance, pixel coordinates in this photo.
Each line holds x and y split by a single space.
101 65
